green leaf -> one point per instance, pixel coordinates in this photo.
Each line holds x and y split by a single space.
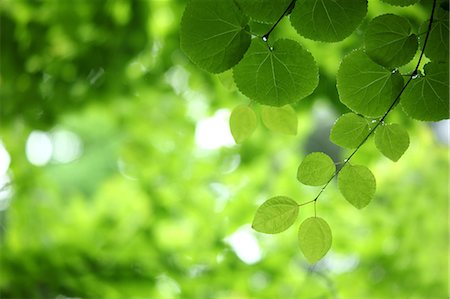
437 45
214 34
389 42
242 123
366 87
401 2
314 237
357 184
426 97
227 81
327 20
276 76
349 130
316 169
392 141
275 215
267 11
280 119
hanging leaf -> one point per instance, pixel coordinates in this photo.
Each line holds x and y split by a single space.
327 20
316 169
357 185
366 87
214 34
349 130
267 11
314 237
242 123
426 97
392 141
227 81
275 215
280 119
389 41
401 2
437 44
276 76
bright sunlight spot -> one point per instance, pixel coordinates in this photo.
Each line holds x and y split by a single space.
39 148
213 132
245 245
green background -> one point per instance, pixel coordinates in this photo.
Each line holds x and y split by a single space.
138 191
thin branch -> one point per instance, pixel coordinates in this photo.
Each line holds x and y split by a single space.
265 37
381 120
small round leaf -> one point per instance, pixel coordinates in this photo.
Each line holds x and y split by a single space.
316 169
275 215
214 34
327 20
437 45
426 97
276 76
392 141
357 185
314 237
389 42
349 130
280 119
366 87
243 123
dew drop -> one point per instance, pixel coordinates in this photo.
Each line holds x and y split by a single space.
264 38
374 121
271 48
415 76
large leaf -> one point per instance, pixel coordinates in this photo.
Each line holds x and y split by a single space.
366 87
357 185
214 34
242 123
392 141
349 130
280 119
437 44
389 41
314 237
276 76
267 11
327 20
316 169
426 97
401 2
275 215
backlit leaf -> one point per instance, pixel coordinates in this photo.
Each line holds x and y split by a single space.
316 169
392 141
275 215
389 41
280 119
366 87
357 184
277 76
242 123
426 97
214 34
226 78
314 237
327 20
349 130
263 10
437 45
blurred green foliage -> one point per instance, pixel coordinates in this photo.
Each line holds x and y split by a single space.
148 211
